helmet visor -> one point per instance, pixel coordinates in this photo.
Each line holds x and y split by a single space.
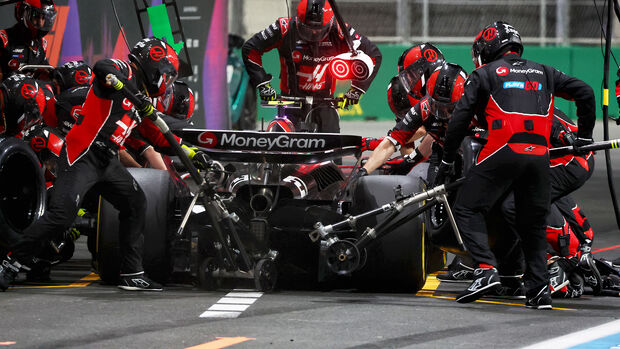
167 76
442 110
413 79
313 31
42 18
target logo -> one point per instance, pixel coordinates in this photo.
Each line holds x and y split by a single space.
296 56
340 69
430 55
157 53
82 77
489 34
207 139
28 91
37 143
501 71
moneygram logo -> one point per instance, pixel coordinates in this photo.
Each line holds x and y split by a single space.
283 142
207 139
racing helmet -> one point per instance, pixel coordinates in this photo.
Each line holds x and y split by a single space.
22 103
157 63
315 19
445 87
494 41
179 101
72 74
45 141
37 15
415 66
280 125
398 99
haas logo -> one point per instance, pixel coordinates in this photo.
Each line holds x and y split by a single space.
37 143
157 53
81 77
28 91
489 34
430 55
501 71
207 139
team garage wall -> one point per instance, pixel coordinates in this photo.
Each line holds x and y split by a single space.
585 63
88 30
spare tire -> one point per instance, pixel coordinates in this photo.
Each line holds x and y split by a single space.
22 189
397 261
158 227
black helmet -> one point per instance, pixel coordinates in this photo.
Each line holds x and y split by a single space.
495 40
398 99
33 11
45 141
445 87
415 66
157 63
315 19
179 101
21 102
72 74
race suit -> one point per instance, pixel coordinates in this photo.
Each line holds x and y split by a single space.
18 48
69 107
513 99
89 159
304 66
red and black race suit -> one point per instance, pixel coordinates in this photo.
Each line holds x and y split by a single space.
513 99
69 107
49 113
419 115
568 228
304 66
109 117
18 48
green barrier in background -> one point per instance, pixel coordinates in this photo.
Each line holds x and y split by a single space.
585 63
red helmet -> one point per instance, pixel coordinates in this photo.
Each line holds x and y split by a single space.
45 141
179 101
415 66
37 15
22 103
73 74
399 101
445 87
315 19
280 125
157 63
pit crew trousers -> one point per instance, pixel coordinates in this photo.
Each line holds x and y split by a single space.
325 118
113 182
485 184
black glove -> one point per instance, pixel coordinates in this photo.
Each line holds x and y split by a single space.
144 105
352 97
201 160
444 172
355 176
580 142
266 92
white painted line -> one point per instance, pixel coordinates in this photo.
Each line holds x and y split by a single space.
220 314
576 338
245 294
229 307
236 300
232 305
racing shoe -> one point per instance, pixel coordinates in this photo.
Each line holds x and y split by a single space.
539 298
558 275
485 281
460 273
590 272
9 268
138 282
511 288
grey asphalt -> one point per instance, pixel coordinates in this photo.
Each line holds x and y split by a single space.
101 316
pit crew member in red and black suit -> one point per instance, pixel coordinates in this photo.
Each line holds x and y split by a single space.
513 99
90 157
306 44
432 112
24 43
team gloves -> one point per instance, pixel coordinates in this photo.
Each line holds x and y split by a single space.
580 142
352 97
444 172
266 92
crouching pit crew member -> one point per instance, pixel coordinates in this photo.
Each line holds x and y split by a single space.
90 157
513 99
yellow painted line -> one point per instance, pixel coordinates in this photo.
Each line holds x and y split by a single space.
222 342
83 282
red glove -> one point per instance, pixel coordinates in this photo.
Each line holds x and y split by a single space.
370 143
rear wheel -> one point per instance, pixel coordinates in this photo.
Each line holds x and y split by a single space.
156 260
397 261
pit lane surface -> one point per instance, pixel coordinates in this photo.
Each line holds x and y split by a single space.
75 310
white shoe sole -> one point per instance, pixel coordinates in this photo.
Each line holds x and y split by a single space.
473 296
541 307
131 288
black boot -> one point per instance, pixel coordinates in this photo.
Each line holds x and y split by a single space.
539 298
9 268
484 281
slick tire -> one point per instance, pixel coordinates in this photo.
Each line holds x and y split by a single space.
396 262
156 260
